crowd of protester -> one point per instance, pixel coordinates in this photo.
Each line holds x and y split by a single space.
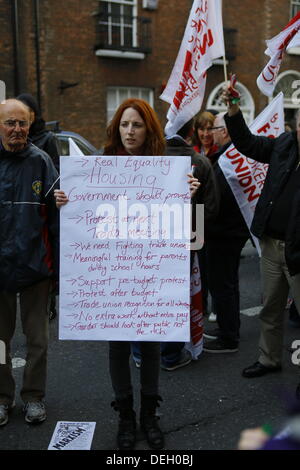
29 257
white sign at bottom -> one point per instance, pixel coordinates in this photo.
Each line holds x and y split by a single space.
72 435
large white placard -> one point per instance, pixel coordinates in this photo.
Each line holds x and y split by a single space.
124 257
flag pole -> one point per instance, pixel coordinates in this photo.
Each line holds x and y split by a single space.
224 56
225 68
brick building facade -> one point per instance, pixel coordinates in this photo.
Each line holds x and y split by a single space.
81 58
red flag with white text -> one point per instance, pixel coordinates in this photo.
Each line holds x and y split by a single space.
195 346
286 39
203 42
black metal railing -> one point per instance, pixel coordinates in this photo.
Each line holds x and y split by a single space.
123 33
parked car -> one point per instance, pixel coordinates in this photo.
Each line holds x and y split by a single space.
63 138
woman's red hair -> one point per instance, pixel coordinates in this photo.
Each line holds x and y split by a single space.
154 142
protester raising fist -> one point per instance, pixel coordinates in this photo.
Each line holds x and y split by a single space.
231 96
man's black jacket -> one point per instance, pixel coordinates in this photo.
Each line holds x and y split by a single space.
282 155
230 223
28 218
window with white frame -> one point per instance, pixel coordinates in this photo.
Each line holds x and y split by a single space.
119 21
289 83
116 95
215 101
295 7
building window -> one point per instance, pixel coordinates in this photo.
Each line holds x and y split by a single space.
230 39
295 7
120 32
215 101
116 96
289 83
118 20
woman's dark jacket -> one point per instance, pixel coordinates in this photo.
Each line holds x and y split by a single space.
47 141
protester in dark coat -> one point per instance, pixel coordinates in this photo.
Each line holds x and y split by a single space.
225 239
28 250
276 224
173 354
47 141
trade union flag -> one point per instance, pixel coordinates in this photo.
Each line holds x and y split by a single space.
202 43
289 37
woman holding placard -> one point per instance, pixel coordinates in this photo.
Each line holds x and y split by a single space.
135 130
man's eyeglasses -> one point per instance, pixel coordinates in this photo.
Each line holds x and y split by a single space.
217 127
11 123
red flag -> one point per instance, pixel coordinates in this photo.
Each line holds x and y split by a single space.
202 42
195 346
287 38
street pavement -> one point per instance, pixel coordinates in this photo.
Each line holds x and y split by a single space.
205 404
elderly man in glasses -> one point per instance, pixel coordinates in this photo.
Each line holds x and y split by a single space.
28 241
